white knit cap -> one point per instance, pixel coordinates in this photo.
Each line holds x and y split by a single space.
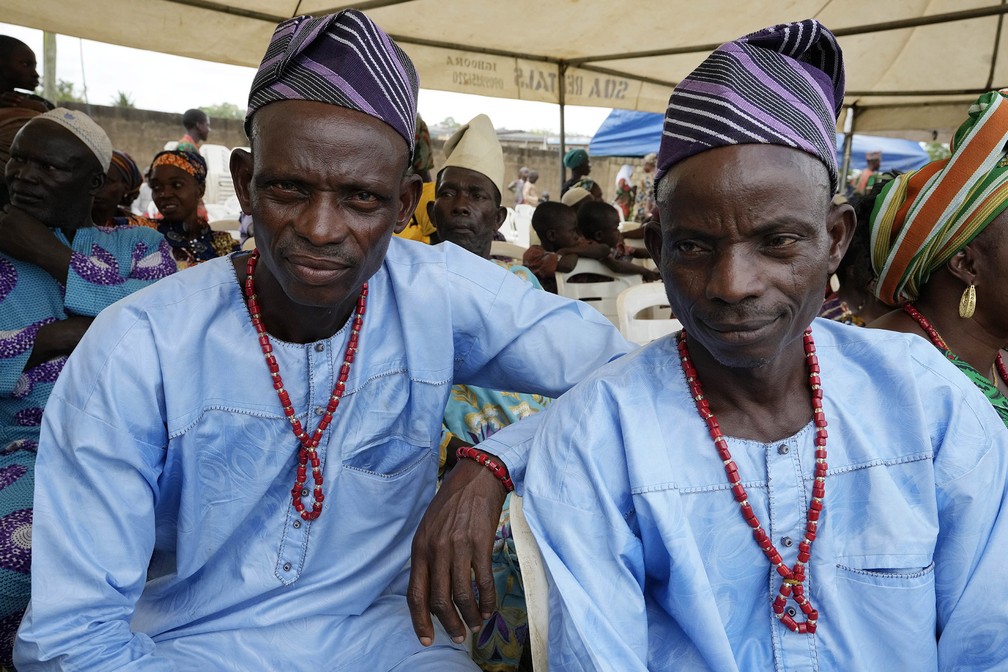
84 127
475 146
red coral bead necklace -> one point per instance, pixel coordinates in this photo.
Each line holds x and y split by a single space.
309 444
940 343
792 585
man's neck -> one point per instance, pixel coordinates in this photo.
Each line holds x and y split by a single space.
764 403
966 338
286 320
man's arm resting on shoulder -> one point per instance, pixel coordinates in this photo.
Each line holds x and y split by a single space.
26 238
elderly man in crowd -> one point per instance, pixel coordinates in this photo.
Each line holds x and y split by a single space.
234 466
57 271
762 494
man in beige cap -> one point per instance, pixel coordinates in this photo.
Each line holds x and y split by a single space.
57 271
466 209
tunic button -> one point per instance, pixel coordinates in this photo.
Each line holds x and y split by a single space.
319 347
287 567
783 449
319 410
304 492
791 611
297 524
786 541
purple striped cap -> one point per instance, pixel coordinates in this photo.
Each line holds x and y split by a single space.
780 86
342 59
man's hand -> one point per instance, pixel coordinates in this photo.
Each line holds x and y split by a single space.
58 338
26 238
455 539
15 99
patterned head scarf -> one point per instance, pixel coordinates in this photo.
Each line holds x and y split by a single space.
922 218
190 162
575 158
86 130
780 86
341 59
124 166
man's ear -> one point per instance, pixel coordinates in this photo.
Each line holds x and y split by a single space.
963 264
502 214
95 182
653 241
241 173
430 212
409 196
840 224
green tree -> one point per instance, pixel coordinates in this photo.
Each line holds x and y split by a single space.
937 150
65 92
123 99
224 111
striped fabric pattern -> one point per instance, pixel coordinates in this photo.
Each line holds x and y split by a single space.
922 218
342 59
783 85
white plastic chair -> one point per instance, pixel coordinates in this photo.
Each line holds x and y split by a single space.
600 295
632 301
521 225
499 248
533 573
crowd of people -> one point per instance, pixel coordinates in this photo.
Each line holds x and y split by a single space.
304 455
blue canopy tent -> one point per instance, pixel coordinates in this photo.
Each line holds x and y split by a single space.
630 133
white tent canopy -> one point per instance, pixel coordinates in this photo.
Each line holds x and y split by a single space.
911 64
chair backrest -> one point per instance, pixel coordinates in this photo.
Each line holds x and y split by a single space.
533 573
229 225
499 248
601 295
632 301
522 225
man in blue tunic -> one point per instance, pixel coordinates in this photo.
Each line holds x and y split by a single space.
233 465
762 494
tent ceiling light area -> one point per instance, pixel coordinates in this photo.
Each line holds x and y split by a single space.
911 64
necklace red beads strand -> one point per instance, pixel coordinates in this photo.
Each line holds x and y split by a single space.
794 577
307 452
940 343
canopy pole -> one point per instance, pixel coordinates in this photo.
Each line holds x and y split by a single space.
562 71
847 142
49 66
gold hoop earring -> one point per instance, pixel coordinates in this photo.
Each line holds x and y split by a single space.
967 304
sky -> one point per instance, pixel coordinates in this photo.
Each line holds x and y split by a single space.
174 84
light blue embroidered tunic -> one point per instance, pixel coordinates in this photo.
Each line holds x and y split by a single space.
166 538
652 565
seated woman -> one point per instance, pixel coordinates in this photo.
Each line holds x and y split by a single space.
939 239
111 206
177 180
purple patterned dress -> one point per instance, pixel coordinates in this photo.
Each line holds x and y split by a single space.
107 264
